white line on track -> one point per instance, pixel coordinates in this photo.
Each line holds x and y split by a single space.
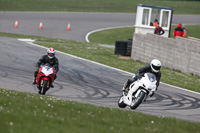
131 74
89 33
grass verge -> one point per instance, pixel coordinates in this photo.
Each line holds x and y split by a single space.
123 6
26 112
123 34
106 56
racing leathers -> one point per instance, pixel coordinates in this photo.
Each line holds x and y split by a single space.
45 59
141 72
178 32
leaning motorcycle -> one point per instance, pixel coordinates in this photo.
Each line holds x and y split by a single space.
45 78
138 91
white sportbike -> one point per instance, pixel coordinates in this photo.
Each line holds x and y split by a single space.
138 91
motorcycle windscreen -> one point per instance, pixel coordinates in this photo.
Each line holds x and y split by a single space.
149 81
151 77
47 71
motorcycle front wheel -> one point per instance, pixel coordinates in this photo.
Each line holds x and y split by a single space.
137 101
45 87
121 103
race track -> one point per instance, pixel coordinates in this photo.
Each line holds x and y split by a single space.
78 79
88 82
55 23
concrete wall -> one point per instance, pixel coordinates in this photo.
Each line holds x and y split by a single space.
181 53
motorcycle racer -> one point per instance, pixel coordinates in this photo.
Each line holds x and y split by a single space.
153 67
48 58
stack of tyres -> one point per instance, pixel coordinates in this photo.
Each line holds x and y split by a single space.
123 48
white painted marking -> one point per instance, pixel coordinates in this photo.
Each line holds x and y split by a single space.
89 33
26 40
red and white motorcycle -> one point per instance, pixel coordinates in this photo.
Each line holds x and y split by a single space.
45 78
138 91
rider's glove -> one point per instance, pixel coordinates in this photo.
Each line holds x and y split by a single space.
137 75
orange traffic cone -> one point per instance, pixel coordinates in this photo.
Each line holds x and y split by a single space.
16 24
40 26
69 26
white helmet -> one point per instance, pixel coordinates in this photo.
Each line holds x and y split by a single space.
155 65
51 53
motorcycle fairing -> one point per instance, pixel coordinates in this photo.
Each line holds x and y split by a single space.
46 72
133 87
146 82
149 81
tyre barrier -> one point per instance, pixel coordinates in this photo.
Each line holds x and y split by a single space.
123 48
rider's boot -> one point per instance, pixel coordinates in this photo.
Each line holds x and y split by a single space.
39 92
52 86
126 86
34 81
128 83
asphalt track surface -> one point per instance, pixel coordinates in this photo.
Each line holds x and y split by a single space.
55 23
85 81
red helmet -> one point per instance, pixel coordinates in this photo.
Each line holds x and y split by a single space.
179 25
51 53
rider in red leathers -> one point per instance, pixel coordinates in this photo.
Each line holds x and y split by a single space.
178 31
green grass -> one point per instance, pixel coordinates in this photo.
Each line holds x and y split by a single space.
172 77
112 35
123 6
106 56
192 30
123 34
32 113
25 112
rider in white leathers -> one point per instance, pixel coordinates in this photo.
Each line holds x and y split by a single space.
153 67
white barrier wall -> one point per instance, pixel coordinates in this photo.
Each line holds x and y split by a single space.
181 53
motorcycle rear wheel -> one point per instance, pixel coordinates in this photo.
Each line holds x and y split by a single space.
136 102
121 103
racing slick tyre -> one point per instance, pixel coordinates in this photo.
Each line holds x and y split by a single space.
136 102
